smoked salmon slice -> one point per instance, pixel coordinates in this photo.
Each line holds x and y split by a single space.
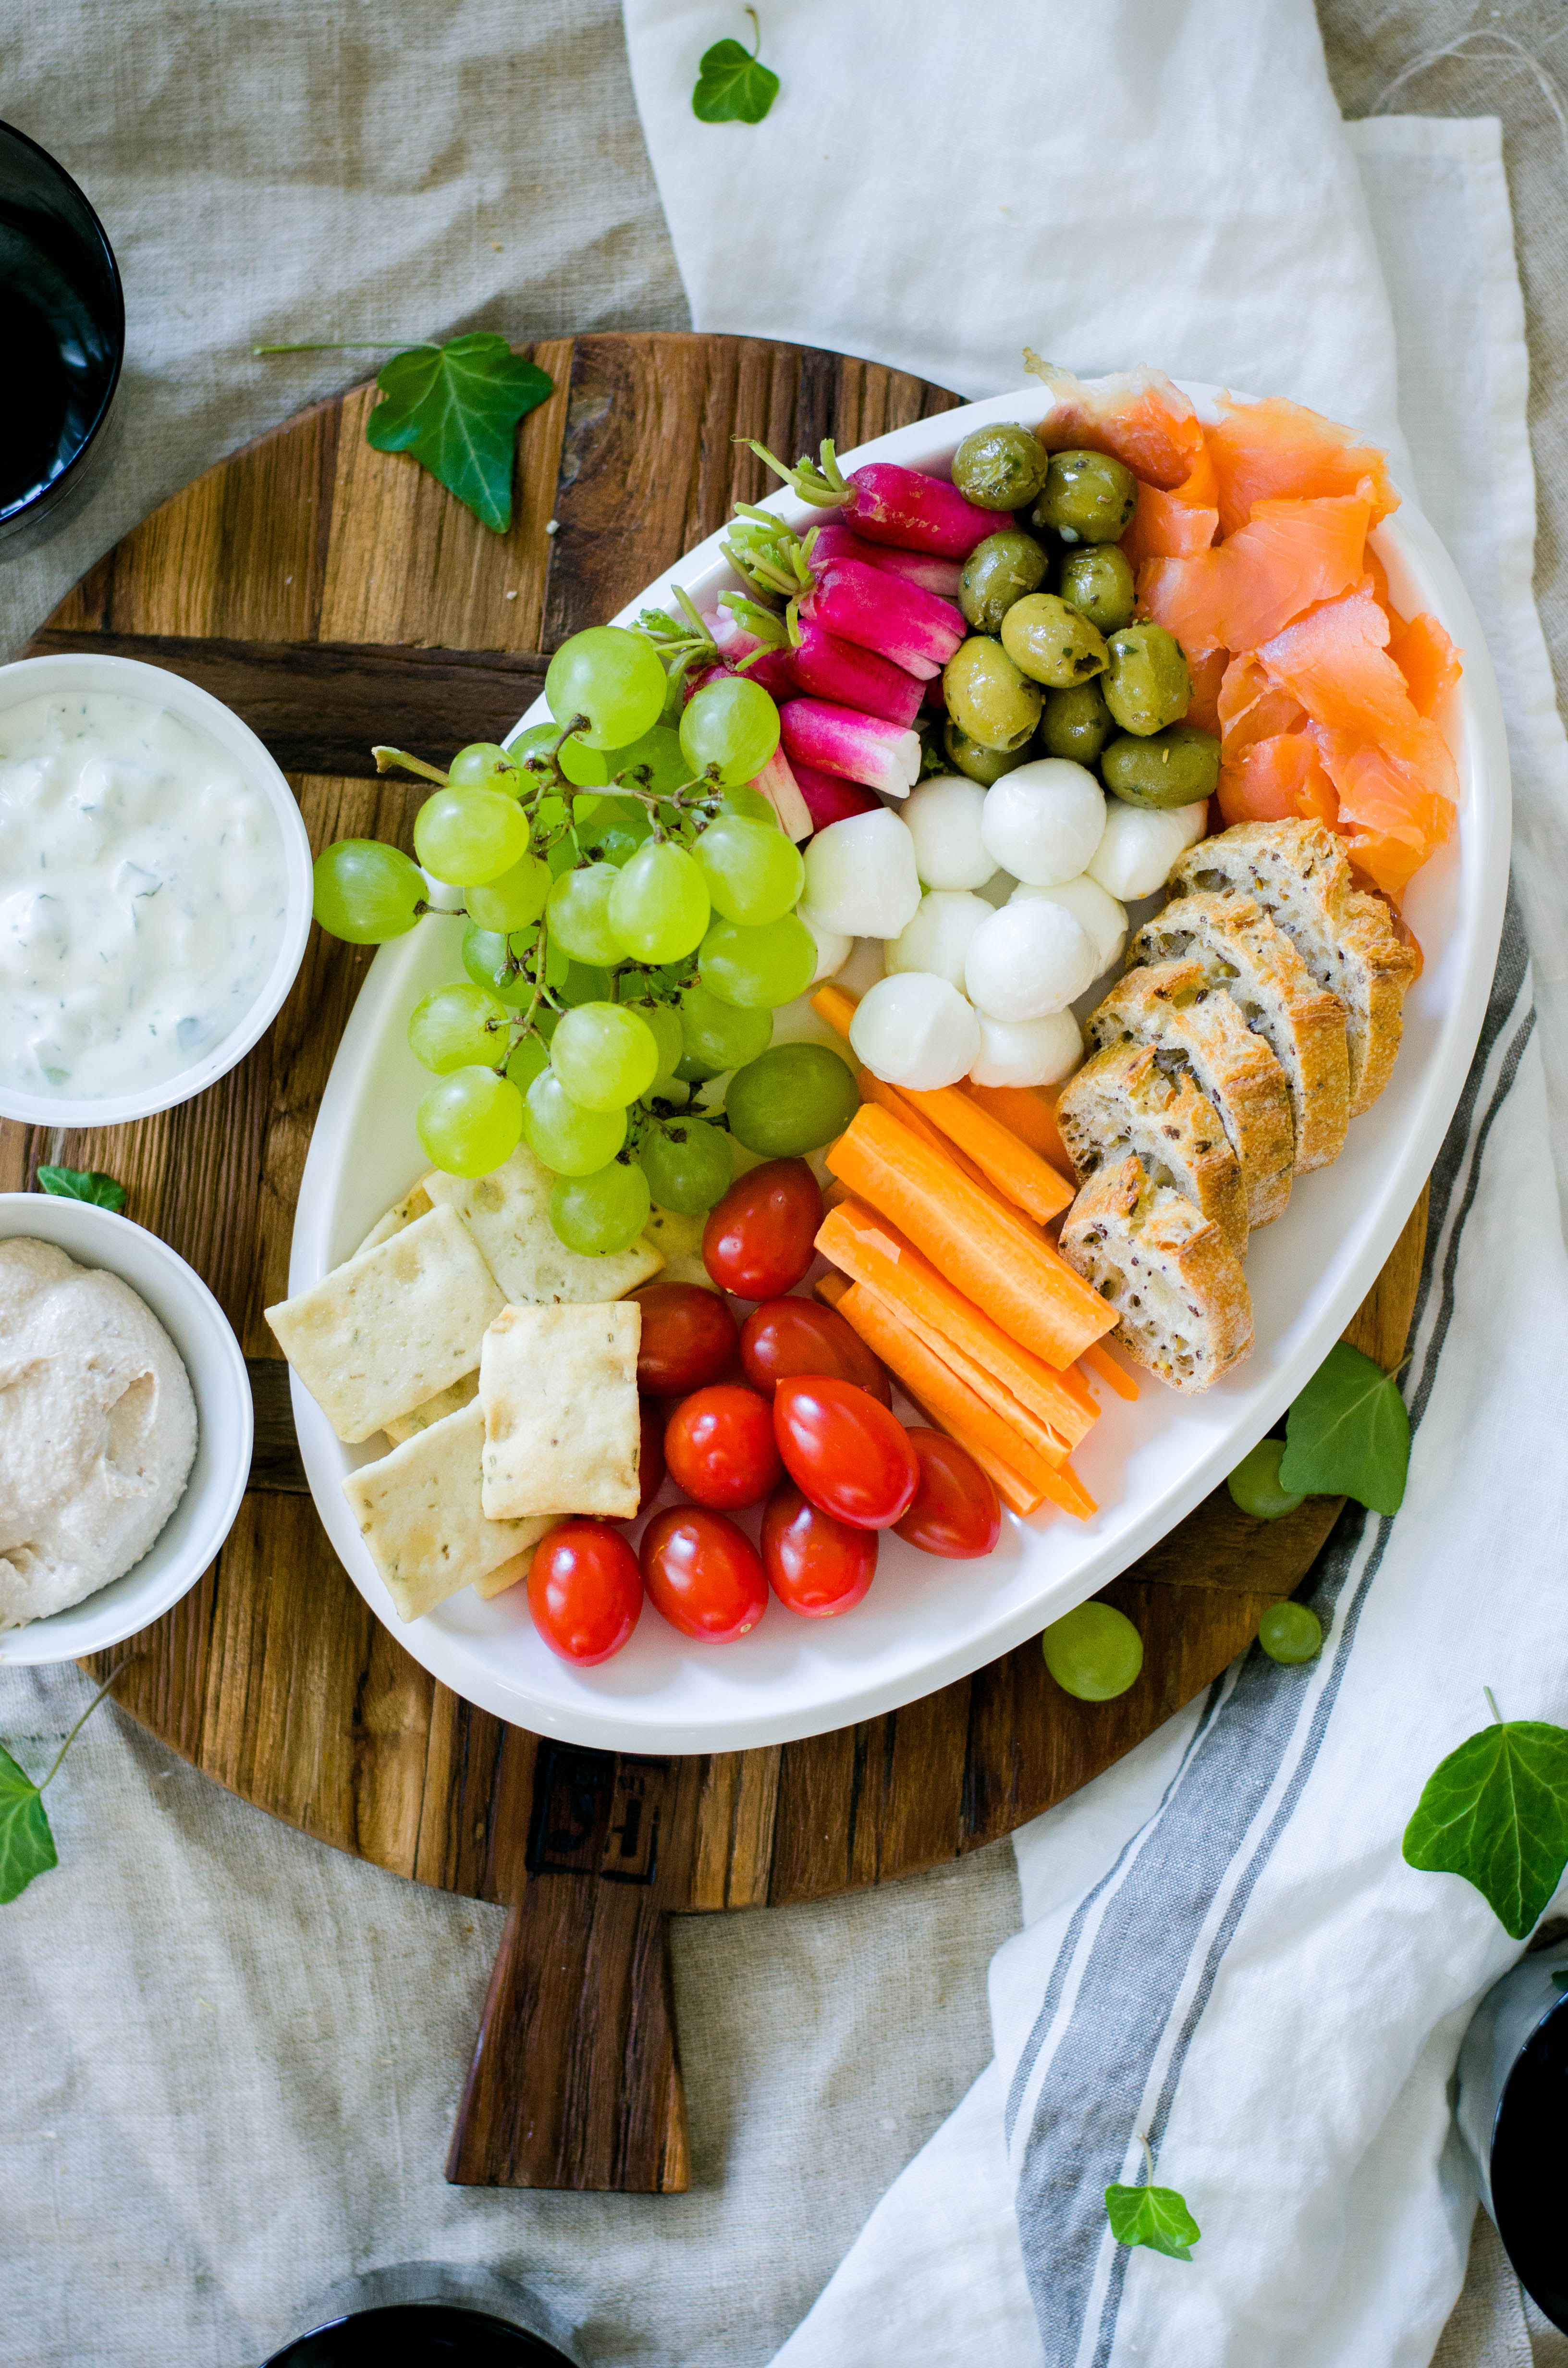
1426 658
1289 555
1278 779
1274 450
1390 815
1137 417
1175 523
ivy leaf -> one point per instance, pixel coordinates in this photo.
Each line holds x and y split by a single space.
1496 1812
732 85
455 408
1155 2217
83 1184
27 1846
1349 1434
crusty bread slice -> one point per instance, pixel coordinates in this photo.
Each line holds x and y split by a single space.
1181 1299
1260 970
1178 1009
1301 875
1122 1100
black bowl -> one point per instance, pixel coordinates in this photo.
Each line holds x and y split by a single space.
61 331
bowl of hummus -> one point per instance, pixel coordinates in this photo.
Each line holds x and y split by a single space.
125 1428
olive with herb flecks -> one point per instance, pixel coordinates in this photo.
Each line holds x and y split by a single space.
997 572
1076 722
1146 682
1173 767
1000 468
987 695
1098 581
983 765
1087 497
1051 642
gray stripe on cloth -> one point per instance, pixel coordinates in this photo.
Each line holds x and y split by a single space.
1165 1892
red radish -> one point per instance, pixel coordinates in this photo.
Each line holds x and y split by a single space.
881 612
830 800
777 784
852 676
833 540
887 503
857 747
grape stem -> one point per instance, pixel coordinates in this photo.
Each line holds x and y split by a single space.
387 757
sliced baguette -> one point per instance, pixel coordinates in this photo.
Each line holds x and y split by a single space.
1301 875
1181 1299
1260 970
1178 1009
1122 1100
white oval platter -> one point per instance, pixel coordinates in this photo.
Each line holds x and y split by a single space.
927 1622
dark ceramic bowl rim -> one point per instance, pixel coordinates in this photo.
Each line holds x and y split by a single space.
114 327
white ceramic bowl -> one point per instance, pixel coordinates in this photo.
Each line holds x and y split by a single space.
129 679
205 1514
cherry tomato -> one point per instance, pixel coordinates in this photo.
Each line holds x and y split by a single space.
650 1454
689 1338
703 1574
815 1566
759 1241
796 1335
585 1591
720 1447
955 1511
848 1453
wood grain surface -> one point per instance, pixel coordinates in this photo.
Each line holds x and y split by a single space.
335 595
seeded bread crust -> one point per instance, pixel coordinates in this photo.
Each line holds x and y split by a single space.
1122 1100
1178 1009
1260 970
1301 875
1181 1299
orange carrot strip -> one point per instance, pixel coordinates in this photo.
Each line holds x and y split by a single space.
1025 1424
874 1252
1026 1178
1018 1280
836 1005
1100 1361
1029 1113
894 1100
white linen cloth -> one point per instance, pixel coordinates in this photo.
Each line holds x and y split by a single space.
1222 1947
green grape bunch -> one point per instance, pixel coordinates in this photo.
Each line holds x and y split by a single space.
629 902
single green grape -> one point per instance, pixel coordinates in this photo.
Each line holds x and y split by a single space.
688 1163
658 907
614 831
1254 1482
579 915
605 1056
492 962
1290 1632
531 753
457 1027
470 836
585 767
749 803
660 754
791 1099
582 983
730 722
564 1136
470 1121
614 679
719 1036
512 900
366 892
663 1019
754 875
1094 1652
759 969
530 1061
602 1212
484 765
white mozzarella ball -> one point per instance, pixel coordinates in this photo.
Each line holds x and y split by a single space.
943 815
1042 822
937 939
833 946
1102 916
915 1030
1027 960
1140 844
861 877
1028 1052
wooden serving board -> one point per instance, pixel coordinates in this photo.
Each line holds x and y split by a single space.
337 595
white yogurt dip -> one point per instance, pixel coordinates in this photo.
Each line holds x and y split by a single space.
143 895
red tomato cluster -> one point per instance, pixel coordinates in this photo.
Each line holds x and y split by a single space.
793 1409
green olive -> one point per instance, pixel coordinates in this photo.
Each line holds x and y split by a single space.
1099 582
1173 767
1147 684
1076 722
1089 497
997 572
988 696
982 765
1051 642
1000 468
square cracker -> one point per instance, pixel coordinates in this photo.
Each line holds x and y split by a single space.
419 1512
507 1212
387 1330
399 1427
558 1388
512 1574
416 1203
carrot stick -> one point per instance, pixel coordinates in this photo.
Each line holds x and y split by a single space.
1048 1444
1029 1113
1100 1361
837 1006
874 1252
894 1100
1018 1280
1001 1158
